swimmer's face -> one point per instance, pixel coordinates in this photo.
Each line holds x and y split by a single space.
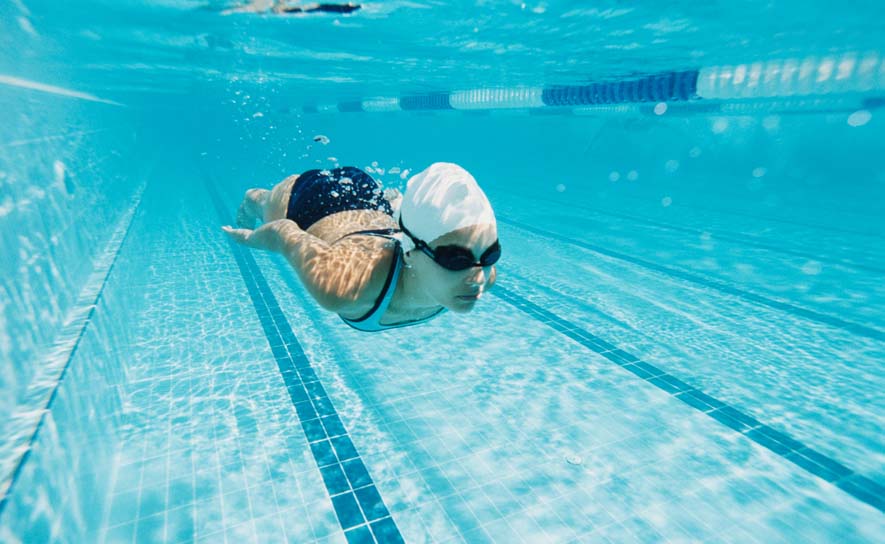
457 290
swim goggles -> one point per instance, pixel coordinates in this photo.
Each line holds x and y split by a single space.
455 257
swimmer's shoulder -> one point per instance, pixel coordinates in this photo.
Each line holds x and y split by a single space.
343 224
371 260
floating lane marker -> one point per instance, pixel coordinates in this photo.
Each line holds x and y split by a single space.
358 505
381 104
845 74
497 98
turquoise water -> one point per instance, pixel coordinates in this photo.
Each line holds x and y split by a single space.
685 342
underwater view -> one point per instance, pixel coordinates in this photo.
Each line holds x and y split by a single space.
492 271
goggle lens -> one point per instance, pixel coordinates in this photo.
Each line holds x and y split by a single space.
461 258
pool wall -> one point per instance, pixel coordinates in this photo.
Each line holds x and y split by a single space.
68 177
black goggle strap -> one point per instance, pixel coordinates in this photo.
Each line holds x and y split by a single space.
419 244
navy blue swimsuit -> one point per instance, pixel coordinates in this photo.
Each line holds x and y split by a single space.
318 193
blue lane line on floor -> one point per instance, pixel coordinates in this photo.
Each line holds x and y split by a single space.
858 486
721 286
361 511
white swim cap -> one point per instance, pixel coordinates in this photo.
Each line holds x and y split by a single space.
441 199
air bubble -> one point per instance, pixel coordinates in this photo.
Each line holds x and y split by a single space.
660 108
859 118
560 188
321 139
614 176
632 175
771 123
666 201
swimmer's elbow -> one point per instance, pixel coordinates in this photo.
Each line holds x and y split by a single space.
329 303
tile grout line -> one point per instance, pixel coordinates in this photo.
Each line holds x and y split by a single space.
317 415
813 462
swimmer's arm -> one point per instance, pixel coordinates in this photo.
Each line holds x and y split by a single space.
337 275
274 236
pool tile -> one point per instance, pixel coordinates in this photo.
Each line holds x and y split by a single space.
347 510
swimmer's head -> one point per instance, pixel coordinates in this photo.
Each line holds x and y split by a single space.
450 234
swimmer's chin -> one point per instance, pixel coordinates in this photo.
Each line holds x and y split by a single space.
463 305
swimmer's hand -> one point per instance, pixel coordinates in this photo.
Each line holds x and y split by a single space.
273 236
240 236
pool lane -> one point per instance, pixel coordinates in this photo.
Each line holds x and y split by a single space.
719 285
822 466
359 507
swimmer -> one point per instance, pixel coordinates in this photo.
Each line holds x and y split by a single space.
379 260
281 6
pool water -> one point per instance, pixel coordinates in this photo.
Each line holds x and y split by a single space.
685 342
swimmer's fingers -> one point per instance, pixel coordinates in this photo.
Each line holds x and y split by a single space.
240 236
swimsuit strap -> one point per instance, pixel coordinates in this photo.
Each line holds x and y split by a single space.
382 233
371 322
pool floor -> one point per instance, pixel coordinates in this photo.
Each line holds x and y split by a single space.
546 415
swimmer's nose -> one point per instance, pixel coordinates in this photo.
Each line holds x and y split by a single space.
476 277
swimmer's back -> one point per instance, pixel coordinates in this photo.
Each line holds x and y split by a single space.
360 264
335 226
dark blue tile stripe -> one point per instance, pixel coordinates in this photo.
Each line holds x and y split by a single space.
721 286
355 498
820 465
